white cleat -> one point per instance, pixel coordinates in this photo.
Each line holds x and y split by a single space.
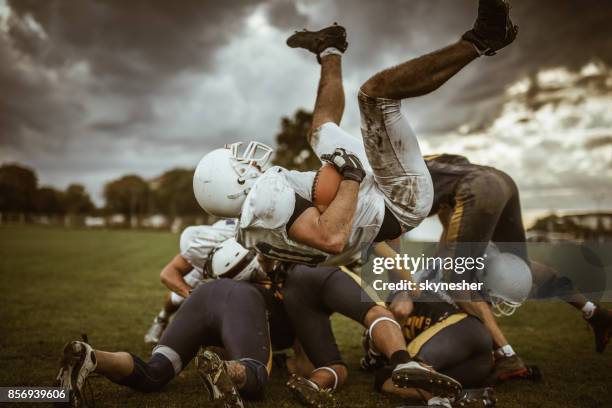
414 374
78 361
155 331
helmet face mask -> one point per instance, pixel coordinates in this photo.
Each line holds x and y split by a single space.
502 307
224 177
255 154
508 282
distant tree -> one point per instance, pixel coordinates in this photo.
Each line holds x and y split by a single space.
128 195
76 200
17 188
49 201
174 193
293 151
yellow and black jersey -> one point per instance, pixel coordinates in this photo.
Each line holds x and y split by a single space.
446 171
428 310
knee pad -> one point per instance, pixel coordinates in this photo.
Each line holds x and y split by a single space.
256 379
150 376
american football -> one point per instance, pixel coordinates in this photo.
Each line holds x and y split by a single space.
292 203
325 186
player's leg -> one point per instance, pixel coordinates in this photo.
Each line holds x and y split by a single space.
328 45
326 290
160 322
550 285
310 319
391 146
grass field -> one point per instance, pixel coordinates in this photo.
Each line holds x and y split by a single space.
56 284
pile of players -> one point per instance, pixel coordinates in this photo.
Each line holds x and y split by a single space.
271 272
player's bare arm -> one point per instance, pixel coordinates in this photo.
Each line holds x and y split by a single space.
328 231
172 276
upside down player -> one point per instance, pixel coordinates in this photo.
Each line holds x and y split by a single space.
225 313
390 193
185 270
477 204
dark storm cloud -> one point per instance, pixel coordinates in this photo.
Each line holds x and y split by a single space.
125 41
115 77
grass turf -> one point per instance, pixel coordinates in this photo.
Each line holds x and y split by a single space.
58 283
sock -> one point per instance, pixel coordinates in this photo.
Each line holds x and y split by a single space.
588 309
163 315
399 357
330 51
506 351
439 402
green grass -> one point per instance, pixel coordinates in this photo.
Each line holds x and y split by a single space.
56 284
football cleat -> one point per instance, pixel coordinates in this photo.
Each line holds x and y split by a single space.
310 394
601 322
509 368
317 41
155 331
476 398
213 372
493 29
415 374
78 362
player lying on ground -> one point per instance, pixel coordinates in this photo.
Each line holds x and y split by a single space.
440 334
226 313
185 270
311 295
477 204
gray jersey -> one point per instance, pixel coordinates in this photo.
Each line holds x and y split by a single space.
271 202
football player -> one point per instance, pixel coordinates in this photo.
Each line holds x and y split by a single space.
442 335
185 270
310 296
223 313
385 188
477 204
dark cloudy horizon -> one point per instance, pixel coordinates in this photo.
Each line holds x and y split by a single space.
92 90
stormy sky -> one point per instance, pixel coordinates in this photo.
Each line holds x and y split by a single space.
91 90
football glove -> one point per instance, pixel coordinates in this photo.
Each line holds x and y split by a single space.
346 163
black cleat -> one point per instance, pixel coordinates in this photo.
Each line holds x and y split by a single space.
317 41
309 393
601 322
493 29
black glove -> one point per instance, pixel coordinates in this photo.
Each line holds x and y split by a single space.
346 163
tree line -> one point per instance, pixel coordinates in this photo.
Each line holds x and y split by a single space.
170 194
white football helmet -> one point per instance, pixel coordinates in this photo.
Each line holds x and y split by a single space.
225 176
232 261
508 281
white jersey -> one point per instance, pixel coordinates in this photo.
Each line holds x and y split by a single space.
271 202
197 242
